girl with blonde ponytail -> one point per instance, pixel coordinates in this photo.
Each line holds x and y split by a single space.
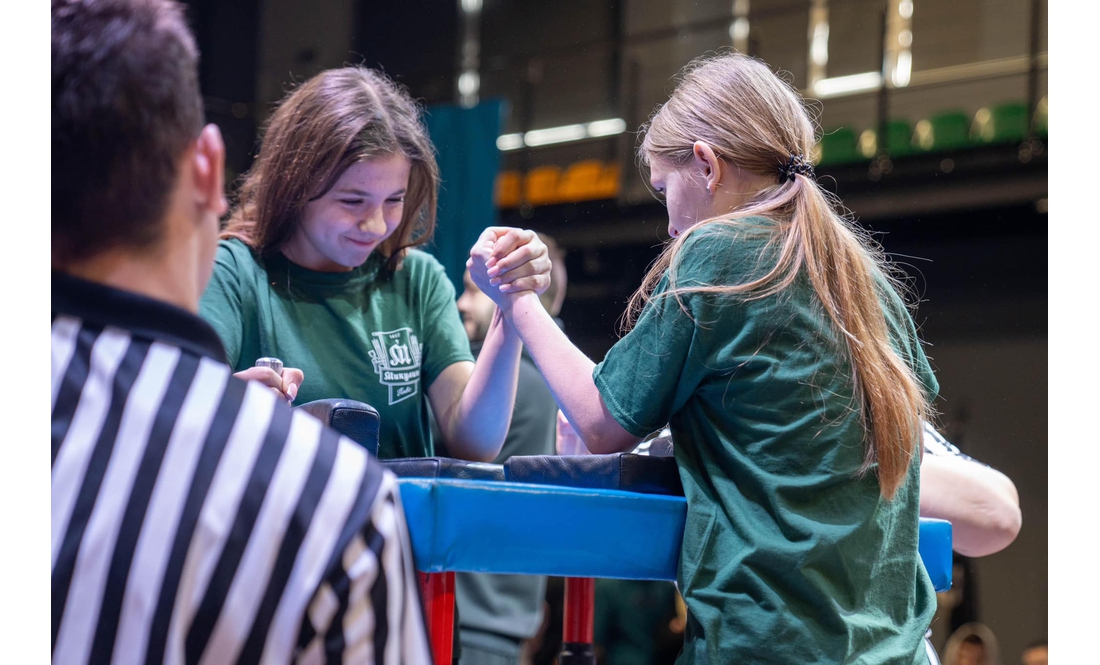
770 336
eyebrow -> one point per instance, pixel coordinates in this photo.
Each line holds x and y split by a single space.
367 195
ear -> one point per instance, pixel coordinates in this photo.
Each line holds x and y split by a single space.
208 171
708 164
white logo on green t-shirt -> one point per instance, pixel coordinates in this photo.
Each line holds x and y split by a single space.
396 358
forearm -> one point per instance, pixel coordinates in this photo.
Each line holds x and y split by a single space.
480 421
980 502
568 373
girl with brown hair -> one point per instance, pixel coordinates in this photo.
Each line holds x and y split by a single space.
318 266
771 337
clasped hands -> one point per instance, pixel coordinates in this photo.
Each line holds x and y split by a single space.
506 262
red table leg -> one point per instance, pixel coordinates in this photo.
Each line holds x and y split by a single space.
439 608
577 622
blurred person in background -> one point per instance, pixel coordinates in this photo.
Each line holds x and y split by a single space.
972 644
1035 653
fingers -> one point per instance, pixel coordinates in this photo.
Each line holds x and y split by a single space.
513 249
292 378
285 386
264 375
517 261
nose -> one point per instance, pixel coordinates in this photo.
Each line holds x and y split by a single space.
373 221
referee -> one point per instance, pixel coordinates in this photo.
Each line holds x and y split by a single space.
194 517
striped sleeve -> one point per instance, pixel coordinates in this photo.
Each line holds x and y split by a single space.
935 444
368 607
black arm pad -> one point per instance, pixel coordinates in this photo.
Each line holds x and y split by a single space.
443 467
355 420
619 471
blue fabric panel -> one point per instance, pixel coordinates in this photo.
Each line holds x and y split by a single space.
501 527
466 143
935 551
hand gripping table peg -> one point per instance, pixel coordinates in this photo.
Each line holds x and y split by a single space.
273 363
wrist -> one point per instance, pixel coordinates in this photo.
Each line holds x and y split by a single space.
509 302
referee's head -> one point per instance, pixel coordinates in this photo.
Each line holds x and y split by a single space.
135 175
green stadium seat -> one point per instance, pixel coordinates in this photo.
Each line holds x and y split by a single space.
899 138
1008 123
1041 118
839 146
950 131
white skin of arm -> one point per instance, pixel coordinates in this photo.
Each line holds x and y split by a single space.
473 402
567 371
981 503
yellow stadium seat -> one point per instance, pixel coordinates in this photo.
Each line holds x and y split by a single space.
508 186
541 185
608 185
581 181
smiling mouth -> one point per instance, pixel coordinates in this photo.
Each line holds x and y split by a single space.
360 243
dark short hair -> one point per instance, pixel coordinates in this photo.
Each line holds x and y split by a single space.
126 105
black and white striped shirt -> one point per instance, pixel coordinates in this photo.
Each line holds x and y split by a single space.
936 444
197 519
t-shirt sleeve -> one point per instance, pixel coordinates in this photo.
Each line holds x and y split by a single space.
656 367
445 341
222 304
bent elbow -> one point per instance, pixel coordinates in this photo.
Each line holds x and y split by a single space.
609 443
1008 526
474 451
994 531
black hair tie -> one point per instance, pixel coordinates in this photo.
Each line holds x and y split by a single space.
796 165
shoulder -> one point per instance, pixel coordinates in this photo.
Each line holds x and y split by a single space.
423 272
418 263
724 252
235 254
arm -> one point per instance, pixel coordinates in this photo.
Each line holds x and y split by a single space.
980 502
473 401
568 373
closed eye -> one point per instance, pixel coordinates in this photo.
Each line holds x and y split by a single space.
351 202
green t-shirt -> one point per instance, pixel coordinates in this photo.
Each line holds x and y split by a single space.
366 334
788 556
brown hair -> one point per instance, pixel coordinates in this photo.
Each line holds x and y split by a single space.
755 121
333 120
126 106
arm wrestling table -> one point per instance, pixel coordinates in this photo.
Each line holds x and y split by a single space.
489 525
578 517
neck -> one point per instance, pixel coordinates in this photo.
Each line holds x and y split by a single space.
737 188
162 275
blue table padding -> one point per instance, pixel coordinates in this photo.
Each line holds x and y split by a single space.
502 527
935 551
521 528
